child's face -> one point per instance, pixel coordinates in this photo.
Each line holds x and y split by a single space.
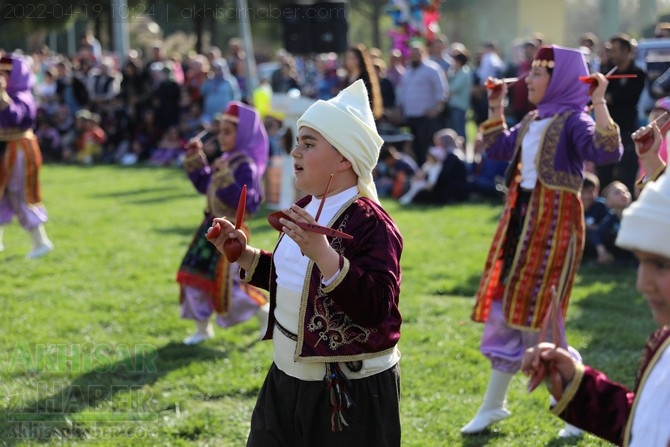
271 125
618 197
653 280
315 159
227 136
537 82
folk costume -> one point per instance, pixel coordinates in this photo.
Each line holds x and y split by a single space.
20 156
208 282
335 367
539 240
637 417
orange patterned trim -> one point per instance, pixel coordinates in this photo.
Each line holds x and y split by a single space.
490 124
32 164
15 133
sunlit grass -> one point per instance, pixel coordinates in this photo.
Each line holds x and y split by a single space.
92 335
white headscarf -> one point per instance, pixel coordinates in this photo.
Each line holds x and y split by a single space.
347 123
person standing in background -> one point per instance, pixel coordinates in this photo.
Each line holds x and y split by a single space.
622 97
421 96
460 87
358 65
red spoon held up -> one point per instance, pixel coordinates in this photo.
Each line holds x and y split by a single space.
232 248
646 138
547 371
273 219
495 85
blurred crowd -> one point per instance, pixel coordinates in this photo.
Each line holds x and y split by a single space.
427 101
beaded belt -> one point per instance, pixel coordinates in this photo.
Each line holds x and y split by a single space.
286 332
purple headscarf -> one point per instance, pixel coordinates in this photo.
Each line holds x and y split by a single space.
21 78
251 137
565 91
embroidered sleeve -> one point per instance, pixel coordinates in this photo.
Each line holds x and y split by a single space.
596 404
260 272
5 100
247 275
608 138
344 269
642 182
195 161
491 130
570 390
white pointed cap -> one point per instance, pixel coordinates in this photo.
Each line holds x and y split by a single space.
346 121
645 224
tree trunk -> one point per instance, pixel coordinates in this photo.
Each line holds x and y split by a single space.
199 28
375 16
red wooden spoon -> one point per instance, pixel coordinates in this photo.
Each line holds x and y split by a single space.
233 247
646 138
547 371
495 85
273 219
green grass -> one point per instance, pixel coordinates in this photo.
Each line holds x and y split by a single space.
91 335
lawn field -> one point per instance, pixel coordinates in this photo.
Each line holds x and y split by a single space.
90 337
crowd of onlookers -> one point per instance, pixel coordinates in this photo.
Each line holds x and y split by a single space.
94 108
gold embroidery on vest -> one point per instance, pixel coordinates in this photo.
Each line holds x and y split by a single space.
547 155
335 327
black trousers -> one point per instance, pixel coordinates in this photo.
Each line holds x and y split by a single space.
294 413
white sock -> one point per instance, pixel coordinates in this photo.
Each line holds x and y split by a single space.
39 236
204 327
496 390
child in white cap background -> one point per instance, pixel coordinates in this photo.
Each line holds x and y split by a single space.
426 178
334 320
587 397
445 178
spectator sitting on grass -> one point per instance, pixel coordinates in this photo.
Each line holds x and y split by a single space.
595 210
393 172
617 198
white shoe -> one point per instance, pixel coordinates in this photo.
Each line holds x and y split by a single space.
570 431
197 338
2 247
485 419
40 250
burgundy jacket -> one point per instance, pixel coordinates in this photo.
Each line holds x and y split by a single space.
356 316
603 407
